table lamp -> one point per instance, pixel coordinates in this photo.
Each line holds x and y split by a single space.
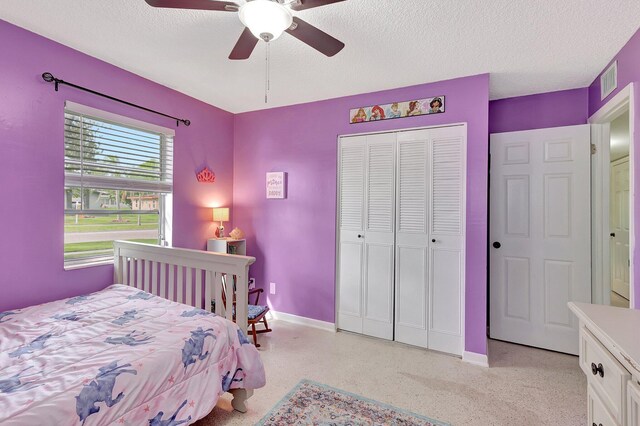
221 215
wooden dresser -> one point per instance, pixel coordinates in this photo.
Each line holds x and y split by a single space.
610 357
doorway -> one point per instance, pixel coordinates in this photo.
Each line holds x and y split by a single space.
619 211
612 201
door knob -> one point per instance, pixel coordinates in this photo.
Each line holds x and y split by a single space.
613 234
360 236
597 369
496 244
433 240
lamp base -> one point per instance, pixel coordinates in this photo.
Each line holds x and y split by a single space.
220 231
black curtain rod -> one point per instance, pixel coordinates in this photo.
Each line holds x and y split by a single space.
49 78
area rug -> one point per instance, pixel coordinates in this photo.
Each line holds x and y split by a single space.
311 403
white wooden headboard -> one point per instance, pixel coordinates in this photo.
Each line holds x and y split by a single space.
192 277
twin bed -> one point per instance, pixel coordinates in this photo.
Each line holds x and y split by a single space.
127 356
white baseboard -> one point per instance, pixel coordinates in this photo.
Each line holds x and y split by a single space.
309 322
475 358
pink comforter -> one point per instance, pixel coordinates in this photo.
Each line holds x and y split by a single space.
119 356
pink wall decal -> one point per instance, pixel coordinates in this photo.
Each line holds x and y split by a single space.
206 175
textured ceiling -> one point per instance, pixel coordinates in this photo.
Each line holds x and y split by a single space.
528 46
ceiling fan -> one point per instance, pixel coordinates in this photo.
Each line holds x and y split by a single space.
266 20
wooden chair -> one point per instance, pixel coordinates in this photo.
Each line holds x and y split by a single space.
256 313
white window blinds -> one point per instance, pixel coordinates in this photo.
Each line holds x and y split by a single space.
100 153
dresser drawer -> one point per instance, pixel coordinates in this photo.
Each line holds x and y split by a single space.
633 404
598 413
605 374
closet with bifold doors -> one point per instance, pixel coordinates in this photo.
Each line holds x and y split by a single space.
401 236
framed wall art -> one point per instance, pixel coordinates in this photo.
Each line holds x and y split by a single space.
434 105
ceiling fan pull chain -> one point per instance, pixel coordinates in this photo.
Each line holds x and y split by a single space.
267 76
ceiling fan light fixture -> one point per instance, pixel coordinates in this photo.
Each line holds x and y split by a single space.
266 19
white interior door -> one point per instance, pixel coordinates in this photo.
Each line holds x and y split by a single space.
366 238
540 235
619 217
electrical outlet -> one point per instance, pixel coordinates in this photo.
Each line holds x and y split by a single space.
252 283
272 288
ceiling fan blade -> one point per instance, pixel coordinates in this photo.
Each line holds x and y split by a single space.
315 37
222 6
308 4
245 45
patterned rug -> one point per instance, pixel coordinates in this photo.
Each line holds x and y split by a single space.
311 403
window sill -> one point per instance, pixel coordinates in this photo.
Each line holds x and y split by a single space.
88 264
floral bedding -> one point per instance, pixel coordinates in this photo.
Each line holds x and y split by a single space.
119 356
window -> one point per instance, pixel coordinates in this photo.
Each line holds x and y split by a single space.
118 183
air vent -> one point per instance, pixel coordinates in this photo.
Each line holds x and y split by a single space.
609 81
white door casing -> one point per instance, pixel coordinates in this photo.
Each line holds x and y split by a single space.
540 216
619 217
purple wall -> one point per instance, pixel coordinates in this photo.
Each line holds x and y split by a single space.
32 155
628 72
554 109
294 239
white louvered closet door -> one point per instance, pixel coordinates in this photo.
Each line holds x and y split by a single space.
446 245
401 236
379 236
351 238
366 241
412 238
429 238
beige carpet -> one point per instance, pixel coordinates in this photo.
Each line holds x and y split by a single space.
525 386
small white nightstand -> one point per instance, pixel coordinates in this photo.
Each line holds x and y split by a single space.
227 245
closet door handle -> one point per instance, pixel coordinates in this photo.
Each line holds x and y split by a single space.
433 240
360 236
613 234
497 245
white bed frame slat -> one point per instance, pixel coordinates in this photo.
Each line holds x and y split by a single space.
184 263
147 272
217 293
138 282
180 286
163 280
153 287
122 275
198 293
132 278
172 282
188 288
